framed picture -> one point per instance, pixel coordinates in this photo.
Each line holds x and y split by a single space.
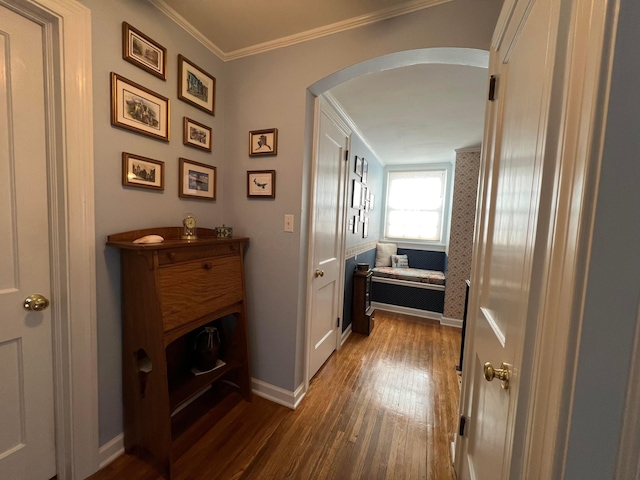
143 52
363 200
372 201
142 172
358 166
197 180
263 142
195 86
196 135
355 223
261 184
365 228
365 171
357 194
138 109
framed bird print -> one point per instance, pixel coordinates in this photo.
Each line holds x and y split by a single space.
263 142
261 184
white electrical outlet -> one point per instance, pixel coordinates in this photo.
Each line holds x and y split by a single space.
288 223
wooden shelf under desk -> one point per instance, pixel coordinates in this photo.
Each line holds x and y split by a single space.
170 290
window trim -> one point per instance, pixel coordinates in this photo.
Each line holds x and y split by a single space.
448 198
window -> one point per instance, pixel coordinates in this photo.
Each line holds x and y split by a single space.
415 207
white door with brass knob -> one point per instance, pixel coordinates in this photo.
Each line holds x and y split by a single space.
27 442
327 243
506 227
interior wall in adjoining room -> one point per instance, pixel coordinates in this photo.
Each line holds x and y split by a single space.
120 209
360 248
270 90
463 215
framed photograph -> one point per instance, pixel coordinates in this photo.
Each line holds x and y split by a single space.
195 86
363 200
142 172
372 201
351 223
138 109
261 184
365 171
358 166
197 180
355 224
196 135
263 142
143 52
357 194
365 228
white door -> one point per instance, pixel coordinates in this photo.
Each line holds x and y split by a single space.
327 240
27 442
509 222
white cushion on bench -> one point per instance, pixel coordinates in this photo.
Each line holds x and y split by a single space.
384 252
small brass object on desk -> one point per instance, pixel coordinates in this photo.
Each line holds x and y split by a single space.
224 231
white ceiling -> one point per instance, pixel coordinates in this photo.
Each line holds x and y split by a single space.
408 115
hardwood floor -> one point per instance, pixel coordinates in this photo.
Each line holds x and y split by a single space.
384 406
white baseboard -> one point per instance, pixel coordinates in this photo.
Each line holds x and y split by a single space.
111 450
451 322
345 335
278 395
415 312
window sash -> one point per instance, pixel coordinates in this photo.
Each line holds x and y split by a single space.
415 205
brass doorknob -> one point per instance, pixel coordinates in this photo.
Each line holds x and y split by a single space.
503 373
35 302
319 273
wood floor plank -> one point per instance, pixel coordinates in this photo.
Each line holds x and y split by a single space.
383 407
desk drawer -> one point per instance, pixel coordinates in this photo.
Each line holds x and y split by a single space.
171 257
189 291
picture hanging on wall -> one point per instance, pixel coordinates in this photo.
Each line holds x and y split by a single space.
358 166
196 135
261 184
356 221
263 142
357 194
365 171
195 86
365 228
138 109
197 180
372 201
142 172
143 52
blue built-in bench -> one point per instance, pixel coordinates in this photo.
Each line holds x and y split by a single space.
419 289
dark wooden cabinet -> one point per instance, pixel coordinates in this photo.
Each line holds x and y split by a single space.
170 291
363 314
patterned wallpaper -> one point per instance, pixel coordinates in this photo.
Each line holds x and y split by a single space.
463 216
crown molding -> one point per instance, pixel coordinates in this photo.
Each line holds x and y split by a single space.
337 106
190 29
344 25
469 149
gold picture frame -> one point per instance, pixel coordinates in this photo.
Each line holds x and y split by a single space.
197 180
196 134
263 142
142 172
196 86
138 109
261 184
143 52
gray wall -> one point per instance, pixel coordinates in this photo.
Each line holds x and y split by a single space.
270 90
261 91
118 208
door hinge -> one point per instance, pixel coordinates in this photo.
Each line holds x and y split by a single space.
346 155
461 424
338 322
492 87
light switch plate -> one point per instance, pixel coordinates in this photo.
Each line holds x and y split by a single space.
288 223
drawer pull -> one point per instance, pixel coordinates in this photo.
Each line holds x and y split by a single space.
208 266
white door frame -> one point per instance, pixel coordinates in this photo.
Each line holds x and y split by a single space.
67 32
576 128
322 106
